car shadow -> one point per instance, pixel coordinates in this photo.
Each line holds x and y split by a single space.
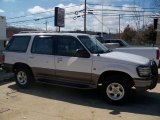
5 77
147 103
6 81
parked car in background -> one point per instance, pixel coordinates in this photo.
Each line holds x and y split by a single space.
152 53
120 42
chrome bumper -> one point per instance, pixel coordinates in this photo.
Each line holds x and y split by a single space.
148 82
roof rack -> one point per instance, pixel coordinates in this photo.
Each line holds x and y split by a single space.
36 32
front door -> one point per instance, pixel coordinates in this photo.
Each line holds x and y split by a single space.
68 65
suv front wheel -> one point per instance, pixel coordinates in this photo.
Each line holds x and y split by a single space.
23 77
115 89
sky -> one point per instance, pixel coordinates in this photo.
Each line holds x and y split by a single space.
38 12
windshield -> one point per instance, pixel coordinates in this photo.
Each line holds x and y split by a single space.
93 45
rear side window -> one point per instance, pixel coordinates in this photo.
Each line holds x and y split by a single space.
43 45
18 44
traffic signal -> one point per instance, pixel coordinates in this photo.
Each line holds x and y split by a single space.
155 23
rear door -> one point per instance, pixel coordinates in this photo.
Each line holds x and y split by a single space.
41 58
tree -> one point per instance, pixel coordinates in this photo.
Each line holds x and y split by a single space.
128 33
150 34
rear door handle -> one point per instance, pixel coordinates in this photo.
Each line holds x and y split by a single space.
31 57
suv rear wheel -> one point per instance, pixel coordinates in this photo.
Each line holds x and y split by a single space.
115 90
24 77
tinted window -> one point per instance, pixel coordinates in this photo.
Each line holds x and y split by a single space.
18 44
43 45
67 46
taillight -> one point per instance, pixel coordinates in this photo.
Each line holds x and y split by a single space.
157 54
2 58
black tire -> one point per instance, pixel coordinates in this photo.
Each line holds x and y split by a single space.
123 87
155 74
29 77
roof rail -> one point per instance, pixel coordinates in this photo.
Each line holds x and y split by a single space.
36 32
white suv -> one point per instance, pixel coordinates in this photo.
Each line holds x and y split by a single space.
79 61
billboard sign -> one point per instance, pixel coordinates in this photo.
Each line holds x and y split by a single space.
59 17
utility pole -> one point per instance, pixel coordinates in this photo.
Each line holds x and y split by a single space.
46 23
102 20
85 9
143 19
119 26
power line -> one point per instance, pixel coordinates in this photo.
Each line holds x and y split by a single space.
37 19
92 4
38 13
30 15
99 20
123 15
119 10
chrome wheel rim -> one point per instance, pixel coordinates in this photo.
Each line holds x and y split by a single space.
21 77
115 91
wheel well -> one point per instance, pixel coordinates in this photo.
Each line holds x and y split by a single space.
21 65
113 73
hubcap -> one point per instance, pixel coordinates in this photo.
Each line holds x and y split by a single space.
115 91
22 77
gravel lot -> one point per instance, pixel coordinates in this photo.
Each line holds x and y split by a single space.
46 102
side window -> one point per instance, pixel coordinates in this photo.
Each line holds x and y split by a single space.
18 44
68 46
42 45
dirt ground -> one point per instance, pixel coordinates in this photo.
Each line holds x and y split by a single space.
46 102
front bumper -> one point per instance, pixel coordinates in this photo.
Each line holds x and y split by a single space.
148 82
144 84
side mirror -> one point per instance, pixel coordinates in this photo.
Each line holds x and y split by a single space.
82 53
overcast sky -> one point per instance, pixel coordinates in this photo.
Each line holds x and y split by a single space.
112 9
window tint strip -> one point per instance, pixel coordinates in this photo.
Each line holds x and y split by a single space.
42 45
18 44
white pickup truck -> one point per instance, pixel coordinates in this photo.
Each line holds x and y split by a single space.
151 53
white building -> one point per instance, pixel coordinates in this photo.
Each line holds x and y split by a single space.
2 32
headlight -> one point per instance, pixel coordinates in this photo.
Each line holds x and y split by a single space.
144 71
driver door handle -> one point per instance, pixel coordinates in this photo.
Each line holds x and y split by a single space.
31 57
59 60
